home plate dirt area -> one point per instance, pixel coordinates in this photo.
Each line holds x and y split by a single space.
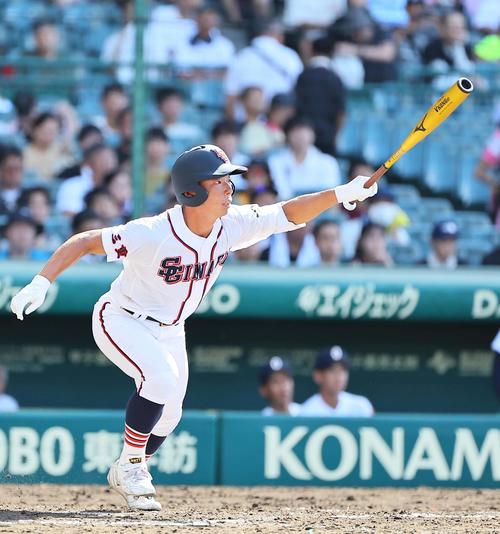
51 508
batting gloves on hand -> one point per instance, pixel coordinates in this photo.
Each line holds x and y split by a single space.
33 295
348 194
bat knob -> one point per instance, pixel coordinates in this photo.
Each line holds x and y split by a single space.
465 85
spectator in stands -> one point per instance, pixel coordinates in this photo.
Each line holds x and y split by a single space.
182 134
88 135
100 201
20 234
119 47
85 221
25 103
47 40
306 19
113 100
414 37
351 228
292 248
7 402
331 374
46 155
118 183
226 135
206 49
450 50
321 96
125 131
443 253
256 137
157 150
248 13
264 196
357 35
265 63
488 171
281 110
300 167
327 238
35 203
11 177
173 23
277 386
372 246
386 212
98 161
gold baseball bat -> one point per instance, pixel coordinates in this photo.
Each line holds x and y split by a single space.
444 106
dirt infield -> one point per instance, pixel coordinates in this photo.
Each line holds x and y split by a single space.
57 509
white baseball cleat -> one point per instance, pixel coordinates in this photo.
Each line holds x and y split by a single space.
133 483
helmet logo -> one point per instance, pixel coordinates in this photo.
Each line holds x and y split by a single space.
220 154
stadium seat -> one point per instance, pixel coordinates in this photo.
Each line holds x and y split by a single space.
440 166
435 209
473 250
348 139
470 190
405 195
59 225
409 254
377 135
474 224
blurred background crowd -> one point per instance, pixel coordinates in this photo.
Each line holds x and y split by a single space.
307 93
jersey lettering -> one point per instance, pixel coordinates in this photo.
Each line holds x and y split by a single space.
172 270
122 251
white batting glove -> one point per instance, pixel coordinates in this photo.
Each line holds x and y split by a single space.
31 295
354 191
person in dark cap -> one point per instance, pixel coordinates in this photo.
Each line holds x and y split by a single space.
443 253
331 374
277 386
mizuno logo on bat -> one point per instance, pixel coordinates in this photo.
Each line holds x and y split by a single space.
420 127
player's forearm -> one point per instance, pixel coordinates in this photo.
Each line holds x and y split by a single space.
71 251
304 208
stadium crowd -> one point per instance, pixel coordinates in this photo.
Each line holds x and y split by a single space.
287 69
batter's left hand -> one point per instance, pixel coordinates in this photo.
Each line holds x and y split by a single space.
354 191
31 296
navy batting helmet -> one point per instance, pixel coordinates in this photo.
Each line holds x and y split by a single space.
200 163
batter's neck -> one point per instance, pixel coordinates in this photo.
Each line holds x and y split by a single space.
199 223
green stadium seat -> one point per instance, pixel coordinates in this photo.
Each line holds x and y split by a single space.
435 209
470 190
440 166
409 254
348 139
473 250
474 224
377 135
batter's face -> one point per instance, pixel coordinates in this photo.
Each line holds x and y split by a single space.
220 195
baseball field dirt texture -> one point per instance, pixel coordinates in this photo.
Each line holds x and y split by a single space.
56 509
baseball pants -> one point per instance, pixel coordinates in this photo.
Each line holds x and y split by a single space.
153 355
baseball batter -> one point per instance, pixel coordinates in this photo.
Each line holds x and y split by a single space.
170 262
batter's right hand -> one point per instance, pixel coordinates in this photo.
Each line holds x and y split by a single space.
31 295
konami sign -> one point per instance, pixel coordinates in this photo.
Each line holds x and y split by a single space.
333 452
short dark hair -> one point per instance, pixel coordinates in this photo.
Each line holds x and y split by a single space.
321 224
225 126
156 133
298 121
24 102
322 46
43 117
93 194
83 216
43 21
244 94
8 151
113 87
92 150
86 130
26 195
167 92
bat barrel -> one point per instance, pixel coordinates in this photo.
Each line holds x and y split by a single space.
465 85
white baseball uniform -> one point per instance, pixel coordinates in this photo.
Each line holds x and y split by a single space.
349 405
167 270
